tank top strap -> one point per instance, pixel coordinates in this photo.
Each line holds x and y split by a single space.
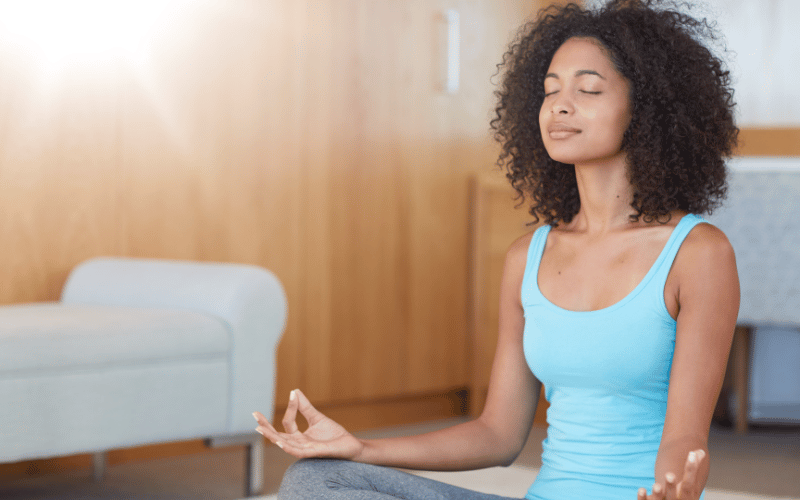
663 264
530 286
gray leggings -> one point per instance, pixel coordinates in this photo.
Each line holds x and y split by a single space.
312 479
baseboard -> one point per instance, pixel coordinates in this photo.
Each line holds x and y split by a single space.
353 415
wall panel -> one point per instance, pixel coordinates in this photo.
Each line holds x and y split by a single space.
309 137
58 198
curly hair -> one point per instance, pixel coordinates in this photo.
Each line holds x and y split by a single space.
682 126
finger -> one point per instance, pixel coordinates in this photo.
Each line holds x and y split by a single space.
671 488
688 485
280 440
269 432
658 492
299 450
260 418
310 413
295 444
642 494
274 436
290 417
265 428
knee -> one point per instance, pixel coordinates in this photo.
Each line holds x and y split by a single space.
306 478
304 468
302 471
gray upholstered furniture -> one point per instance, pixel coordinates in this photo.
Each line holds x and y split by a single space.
761 220
138 352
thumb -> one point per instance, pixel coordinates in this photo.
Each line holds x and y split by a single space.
308 411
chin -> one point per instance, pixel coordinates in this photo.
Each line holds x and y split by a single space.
563 153
571 157
562 157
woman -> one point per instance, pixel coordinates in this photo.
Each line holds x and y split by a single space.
615 123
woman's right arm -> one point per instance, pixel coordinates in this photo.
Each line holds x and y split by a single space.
494 438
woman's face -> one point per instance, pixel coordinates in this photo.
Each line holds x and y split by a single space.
587 105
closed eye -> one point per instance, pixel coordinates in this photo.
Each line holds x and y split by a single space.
592 93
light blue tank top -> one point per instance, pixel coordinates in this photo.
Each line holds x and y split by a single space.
606 376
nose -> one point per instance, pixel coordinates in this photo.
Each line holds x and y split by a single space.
561 104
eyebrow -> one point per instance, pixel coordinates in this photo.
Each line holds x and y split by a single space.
580 72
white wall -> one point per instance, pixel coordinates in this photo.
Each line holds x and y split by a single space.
763 54
763 39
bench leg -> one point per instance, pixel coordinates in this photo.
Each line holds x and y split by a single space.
254 467
99 463
254 458
741 352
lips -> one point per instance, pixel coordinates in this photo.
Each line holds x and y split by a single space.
560 131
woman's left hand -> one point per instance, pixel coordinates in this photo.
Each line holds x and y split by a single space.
689 487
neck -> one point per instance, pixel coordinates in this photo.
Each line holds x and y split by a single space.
606 195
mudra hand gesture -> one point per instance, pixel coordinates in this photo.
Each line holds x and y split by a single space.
689 487
324 438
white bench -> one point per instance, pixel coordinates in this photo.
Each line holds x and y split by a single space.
137 352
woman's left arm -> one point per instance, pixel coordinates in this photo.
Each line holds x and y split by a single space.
703 288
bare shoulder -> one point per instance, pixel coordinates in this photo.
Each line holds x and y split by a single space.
705 245
516 259
518 250
706 259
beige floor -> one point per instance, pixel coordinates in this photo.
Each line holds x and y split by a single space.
765 462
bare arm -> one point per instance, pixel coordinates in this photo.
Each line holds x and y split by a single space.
494 438
707 294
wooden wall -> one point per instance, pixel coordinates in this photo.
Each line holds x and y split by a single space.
769 142
311 137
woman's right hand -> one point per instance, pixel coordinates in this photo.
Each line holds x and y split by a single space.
324 438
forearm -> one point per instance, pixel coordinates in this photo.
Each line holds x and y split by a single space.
672 456
467 446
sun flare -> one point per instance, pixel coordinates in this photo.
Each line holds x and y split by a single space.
58 33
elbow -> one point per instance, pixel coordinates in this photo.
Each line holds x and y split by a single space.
505 447
508 455
509 460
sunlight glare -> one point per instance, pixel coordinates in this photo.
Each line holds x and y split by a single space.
62 33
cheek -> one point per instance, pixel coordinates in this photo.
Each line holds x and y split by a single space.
590 113
543 115
626 115
618 121
624 122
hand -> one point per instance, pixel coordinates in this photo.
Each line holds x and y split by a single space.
689 487
324 438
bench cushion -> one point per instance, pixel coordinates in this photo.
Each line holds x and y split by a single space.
53 336
80 378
